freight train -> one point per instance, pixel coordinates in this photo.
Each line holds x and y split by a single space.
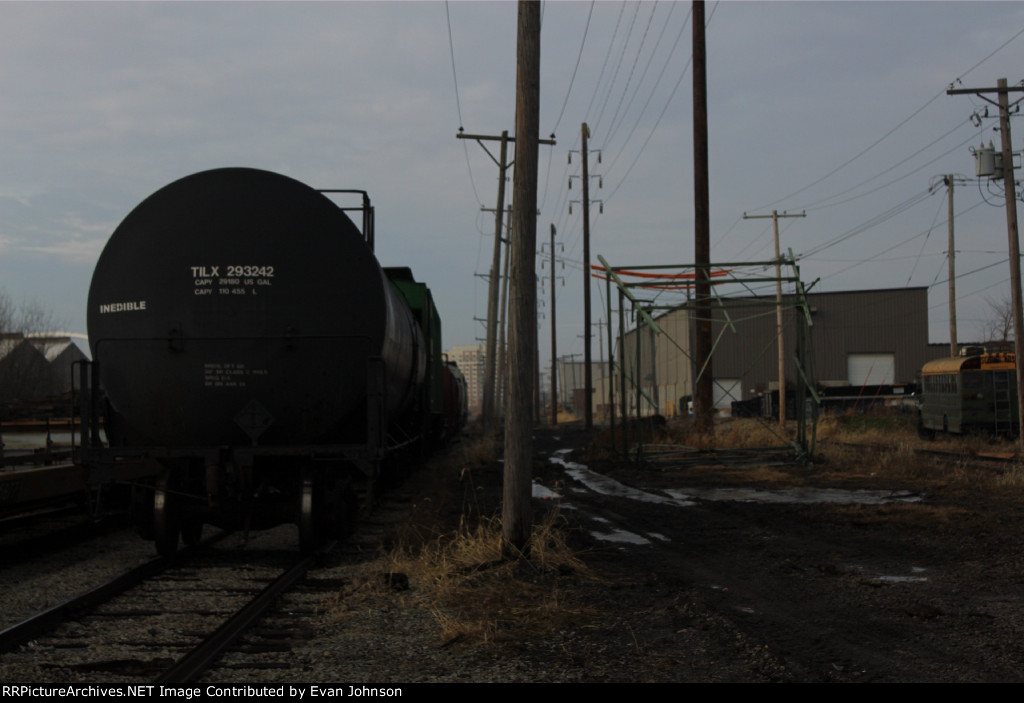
248 344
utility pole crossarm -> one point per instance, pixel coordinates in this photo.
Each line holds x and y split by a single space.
492 138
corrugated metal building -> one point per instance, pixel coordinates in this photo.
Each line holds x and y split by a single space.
866 337
33 368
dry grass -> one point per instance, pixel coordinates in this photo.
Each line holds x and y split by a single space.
565 417
472 591
478 449
850 448
1013 476
459 574
886 444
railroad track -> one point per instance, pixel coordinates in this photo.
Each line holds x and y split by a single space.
167 621
172 619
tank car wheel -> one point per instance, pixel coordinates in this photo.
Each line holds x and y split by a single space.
166 526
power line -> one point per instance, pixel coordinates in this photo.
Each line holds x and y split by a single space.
815 205
579 56
629 80
458 103
618 66
885 136
895 210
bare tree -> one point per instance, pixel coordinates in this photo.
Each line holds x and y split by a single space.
25 371
998 326
28 317
7 313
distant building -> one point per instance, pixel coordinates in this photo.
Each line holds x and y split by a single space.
470 359
571 375
35 367
858 338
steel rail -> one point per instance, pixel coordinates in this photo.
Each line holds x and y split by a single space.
50 619
192 665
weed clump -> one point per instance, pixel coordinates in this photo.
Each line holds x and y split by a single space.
447 559
477 594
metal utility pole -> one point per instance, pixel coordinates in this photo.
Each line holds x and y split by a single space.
702 225
554 345
778 307
516 493
588 376
1010 188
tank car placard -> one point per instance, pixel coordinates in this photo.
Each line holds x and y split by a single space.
235 280
229 375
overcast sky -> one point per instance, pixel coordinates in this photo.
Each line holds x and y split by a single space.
103 103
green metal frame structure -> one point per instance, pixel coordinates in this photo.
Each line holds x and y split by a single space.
736 276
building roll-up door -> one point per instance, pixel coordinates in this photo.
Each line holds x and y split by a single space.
726 390
871 369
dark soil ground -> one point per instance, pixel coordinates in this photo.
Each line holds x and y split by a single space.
927 587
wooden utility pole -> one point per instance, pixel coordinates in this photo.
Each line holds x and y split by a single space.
490 355
501 385
952 271
554 344
610 378
778 307
516 493
588 376
1010 187
702 226
536 415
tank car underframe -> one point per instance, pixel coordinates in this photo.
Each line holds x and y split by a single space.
320 487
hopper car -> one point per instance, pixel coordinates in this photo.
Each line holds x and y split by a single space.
247 343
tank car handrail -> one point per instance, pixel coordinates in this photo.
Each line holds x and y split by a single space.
366 209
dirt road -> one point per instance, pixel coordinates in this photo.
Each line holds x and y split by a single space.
788 574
